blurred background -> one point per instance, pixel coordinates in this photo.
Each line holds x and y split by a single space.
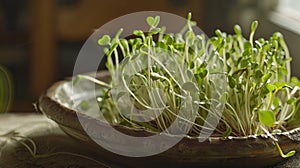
40 39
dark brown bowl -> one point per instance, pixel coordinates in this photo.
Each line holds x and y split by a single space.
252 151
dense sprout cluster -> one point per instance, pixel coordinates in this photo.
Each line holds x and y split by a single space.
227 84
183 71
259 93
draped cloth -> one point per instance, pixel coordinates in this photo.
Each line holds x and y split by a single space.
32 140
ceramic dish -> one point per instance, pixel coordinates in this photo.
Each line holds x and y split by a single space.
60 104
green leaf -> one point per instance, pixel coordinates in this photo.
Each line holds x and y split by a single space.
239 87
136 41
266 77
153 21
247 45
295 81
162 45
277 35
238 72
179 46
290 154
266 117
279 85
291 100
227 55
150 20
271 88
201 71
191 64
189 35
138 33
219 33
154 31
258 74
254 25
264 91
245 63
168 39
282 70
190 86
276 102
189 16
119 32
124 43
105 40
156 21
231 81
237 29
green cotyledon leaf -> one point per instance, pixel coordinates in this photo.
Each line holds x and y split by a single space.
266 117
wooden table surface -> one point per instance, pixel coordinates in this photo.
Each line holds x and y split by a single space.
32 140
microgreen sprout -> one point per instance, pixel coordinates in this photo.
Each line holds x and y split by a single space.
259 97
